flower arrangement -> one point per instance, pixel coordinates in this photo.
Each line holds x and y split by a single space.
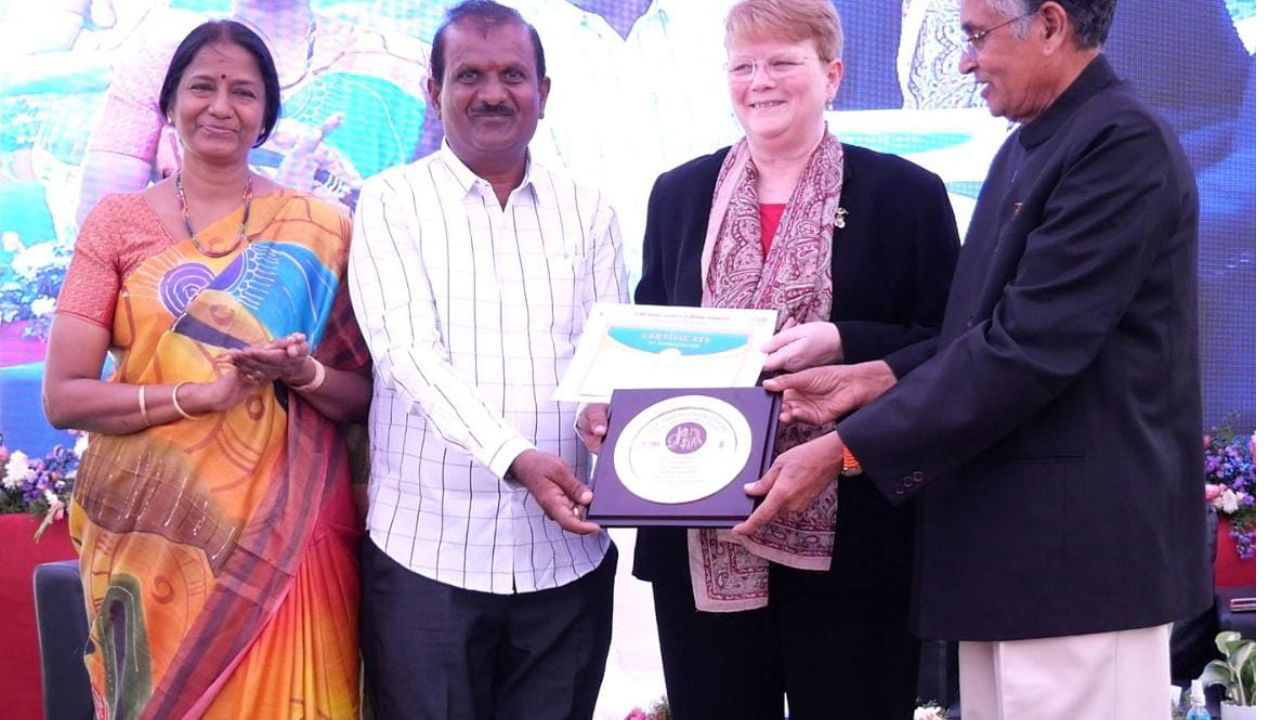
657 711
1231 485
29 287
40 486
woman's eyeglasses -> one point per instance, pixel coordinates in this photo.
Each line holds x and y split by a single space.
780 67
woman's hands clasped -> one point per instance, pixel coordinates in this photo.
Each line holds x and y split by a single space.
228 390
284 359
242 371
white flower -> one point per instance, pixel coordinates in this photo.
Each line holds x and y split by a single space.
42 306
11 242
30 261
1227 503
82 444
17 470
51 498
929 712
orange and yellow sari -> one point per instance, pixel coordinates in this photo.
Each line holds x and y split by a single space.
218 555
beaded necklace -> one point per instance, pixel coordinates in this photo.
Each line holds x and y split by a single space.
186 218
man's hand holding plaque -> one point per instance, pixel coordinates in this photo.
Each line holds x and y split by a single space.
553 485
678 457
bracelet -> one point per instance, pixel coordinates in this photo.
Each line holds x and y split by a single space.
316 380
142 406
174 398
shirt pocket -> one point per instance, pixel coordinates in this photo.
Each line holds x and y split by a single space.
552 286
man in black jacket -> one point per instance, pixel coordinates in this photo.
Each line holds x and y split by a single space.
1052 433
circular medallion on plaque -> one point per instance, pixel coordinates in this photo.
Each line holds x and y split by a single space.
682 449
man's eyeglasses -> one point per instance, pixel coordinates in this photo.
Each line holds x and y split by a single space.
973 42
744 69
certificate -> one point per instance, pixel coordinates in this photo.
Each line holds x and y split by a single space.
679 457
655 346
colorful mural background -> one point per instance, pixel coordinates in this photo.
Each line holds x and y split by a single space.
637 88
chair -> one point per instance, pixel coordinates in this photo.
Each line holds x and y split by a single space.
1244 622
63 630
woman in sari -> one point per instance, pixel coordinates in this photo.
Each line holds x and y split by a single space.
213 510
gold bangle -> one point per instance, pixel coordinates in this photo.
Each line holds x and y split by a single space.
174 398
142 406
316 380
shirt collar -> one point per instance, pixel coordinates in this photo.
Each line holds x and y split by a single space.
467 182
1096 76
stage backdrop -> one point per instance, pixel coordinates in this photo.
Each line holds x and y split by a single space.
632 95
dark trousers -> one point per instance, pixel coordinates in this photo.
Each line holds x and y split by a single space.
438 652
834 650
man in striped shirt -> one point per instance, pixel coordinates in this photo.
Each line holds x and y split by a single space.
472 272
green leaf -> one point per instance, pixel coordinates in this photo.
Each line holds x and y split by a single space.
1248 675
1217 672
1241 654
1225 640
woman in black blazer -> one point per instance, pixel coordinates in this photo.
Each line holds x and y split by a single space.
855 249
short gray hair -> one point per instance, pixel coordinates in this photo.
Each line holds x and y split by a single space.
1090 18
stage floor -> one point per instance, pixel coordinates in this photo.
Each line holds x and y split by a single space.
633 676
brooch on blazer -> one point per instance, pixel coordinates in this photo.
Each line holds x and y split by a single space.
840 213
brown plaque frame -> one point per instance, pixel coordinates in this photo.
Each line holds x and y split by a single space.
614 505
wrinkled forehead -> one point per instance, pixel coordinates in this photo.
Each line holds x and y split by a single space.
473 43
977 15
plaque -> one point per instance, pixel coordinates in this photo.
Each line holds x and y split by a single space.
679 457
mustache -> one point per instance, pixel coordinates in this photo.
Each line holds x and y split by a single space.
486 110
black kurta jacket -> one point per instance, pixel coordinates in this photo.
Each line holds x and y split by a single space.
1053 439
891 267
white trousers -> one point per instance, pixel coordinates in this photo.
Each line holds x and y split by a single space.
1106 676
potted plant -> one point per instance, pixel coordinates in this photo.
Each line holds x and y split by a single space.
1236 674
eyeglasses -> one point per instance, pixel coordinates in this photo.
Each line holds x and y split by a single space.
784 66
973 42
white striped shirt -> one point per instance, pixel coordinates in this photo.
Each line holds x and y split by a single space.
472 313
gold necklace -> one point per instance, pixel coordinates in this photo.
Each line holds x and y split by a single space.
186 218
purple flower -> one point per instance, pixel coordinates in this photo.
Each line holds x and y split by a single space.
33 483
1229 461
